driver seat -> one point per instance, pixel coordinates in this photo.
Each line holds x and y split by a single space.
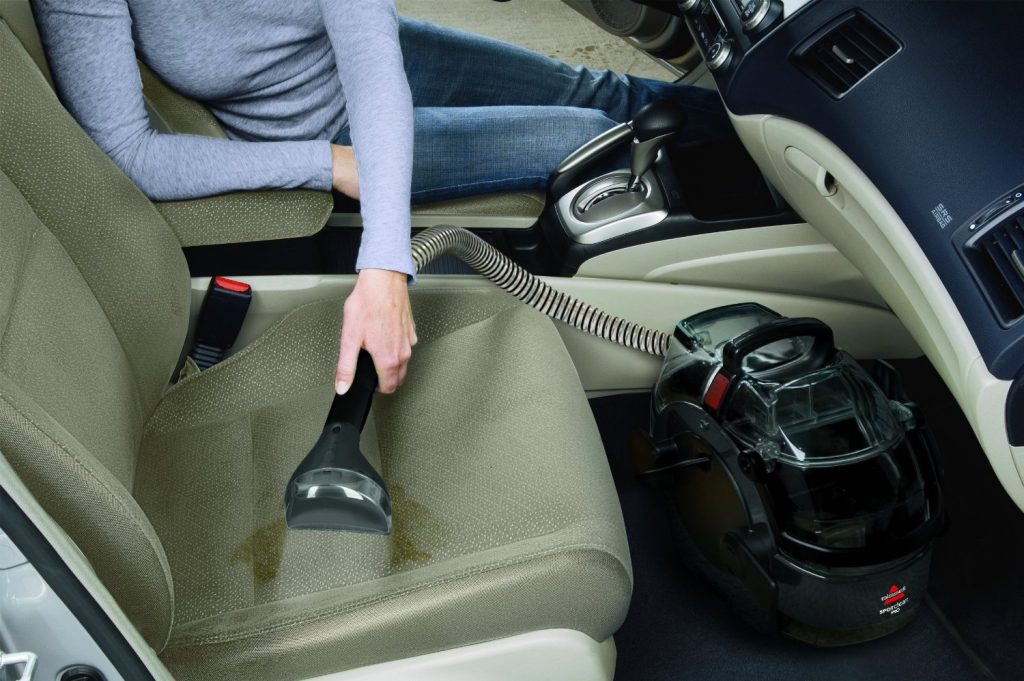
506 517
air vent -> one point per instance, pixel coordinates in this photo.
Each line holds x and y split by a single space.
845 53
996 255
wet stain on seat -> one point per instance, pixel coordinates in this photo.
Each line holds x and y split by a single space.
415 533
263 551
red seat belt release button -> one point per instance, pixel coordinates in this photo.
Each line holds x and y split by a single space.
232 285
220 320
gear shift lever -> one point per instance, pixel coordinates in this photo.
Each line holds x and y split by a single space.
652 127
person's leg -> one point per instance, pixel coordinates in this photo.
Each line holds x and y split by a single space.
451 68
463 151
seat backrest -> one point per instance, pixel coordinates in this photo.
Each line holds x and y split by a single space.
168 110
19 18
94 298
229 218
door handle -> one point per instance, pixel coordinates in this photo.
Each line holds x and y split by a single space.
812 171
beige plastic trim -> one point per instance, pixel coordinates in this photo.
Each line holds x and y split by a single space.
604 368
424 220
780 259
273 298
497 210
864 330
560 654
79 567
858 219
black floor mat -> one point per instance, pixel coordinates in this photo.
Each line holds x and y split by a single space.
978 569
677 628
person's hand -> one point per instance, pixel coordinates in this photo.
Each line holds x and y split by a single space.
345 176
378 318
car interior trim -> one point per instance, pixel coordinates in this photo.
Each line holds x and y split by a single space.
52 552
862 224
538 655
604 368
424 220
792 258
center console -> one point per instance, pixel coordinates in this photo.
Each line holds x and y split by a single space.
636 184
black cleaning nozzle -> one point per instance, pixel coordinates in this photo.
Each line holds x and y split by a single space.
335 487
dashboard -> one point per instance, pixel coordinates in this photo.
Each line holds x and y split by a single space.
923 101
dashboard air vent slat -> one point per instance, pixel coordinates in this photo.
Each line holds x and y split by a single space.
997 257
845 53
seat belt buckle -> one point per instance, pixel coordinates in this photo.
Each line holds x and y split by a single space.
220 320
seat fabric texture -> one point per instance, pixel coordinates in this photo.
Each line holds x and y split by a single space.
495 469
506 518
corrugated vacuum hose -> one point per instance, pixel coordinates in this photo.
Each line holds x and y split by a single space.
335 487
492 264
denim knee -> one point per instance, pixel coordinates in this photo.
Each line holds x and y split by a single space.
585 125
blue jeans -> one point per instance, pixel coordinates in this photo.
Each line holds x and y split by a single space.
490 116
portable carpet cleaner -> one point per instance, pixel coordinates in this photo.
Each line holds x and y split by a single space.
805 490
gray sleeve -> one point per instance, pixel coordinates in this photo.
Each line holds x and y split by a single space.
364 36
92 55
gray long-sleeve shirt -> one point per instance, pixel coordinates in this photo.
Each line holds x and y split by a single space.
282 77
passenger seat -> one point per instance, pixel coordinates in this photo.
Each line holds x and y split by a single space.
506 518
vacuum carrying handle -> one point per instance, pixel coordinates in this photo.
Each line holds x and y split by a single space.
354 406
820 352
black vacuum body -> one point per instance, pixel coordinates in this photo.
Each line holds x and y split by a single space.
805 489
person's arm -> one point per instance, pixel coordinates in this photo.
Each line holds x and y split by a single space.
92 56
364 37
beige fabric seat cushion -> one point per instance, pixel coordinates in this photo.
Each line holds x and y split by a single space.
504 511
506 517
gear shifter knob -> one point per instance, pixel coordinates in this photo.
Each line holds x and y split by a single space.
652 127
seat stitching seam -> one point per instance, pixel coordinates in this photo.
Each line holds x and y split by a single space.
19 281
374 600
261 340
111 495
252 497
103 309
488 318
264 338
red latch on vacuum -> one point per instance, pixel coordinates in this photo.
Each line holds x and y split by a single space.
716 391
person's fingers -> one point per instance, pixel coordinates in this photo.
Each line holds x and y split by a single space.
348 356
403 366
387 376
391 365
379 308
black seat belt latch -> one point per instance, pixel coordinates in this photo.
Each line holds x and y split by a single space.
220 320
